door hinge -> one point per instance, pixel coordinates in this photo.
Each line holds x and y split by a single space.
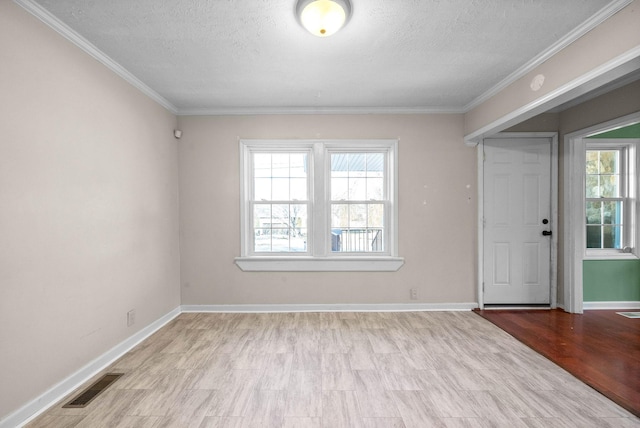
483 286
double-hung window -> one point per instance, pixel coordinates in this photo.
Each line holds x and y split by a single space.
610 197
310 205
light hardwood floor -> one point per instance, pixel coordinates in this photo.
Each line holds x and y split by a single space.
374 370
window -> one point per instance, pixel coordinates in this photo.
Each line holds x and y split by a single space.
610 197
319 205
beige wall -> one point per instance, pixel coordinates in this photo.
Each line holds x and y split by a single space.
615 104
616 36
437 212
89 201
88 209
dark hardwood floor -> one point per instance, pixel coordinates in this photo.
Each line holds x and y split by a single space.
601 348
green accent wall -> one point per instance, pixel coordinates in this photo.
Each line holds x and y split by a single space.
611 280
631 131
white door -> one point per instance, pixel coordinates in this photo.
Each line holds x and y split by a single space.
517 221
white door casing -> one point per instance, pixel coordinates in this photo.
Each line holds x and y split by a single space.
517 207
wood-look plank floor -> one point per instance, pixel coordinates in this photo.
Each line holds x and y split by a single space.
372 370
601 348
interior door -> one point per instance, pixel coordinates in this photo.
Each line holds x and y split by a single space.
517 221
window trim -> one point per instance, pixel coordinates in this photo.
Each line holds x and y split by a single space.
319 257
629 186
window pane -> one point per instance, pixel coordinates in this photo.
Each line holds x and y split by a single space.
280 164
604 218
611 236
609 186
280 189
376 216
298 189
594 237
594 212
357 176
339 189
280 176
357 189
339 216
261 216
262 165
375 164
262 240
280 228
357 216
593 186
592 162
609 162
602 174
298 164
375 189
262 189
297 218
612 212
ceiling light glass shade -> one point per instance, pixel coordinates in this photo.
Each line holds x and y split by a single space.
323 18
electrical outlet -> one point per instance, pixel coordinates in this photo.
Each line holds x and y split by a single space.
131 317
413 293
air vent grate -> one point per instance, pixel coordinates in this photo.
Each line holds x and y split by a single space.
95 389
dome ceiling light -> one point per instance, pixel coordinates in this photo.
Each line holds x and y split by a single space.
323 18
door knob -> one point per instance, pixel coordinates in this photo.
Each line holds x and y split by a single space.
547 233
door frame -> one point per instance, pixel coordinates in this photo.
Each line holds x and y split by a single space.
573 184
553 274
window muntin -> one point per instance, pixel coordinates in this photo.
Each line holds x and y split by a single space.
605 198
280 200
358 202
610 197
290 215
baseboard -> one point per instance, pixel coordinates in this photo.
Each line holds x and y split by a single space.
35 407
587 306
333 307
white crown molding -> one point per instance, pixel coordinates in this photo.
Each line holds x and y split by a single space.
591 23
247 111
75 38
71 35
591 306
332 307
35 407
601 75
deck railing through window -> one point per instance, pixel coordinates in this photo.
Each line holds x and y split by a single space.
357 240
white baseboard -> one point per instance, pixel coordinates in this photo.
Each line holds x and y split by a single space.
35 407
333 307
587 306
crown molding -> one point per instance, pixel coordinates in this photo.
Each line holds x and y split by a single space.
75 38
71 35
248 111
602 75
605 13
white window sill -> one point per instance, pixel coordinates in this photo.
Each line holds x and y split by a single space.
610 256
318 264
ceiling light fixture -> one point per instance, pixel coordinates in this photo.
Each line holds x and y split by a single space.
323 18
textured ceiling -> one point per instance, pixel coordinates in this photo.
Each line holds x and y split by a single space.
252 55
